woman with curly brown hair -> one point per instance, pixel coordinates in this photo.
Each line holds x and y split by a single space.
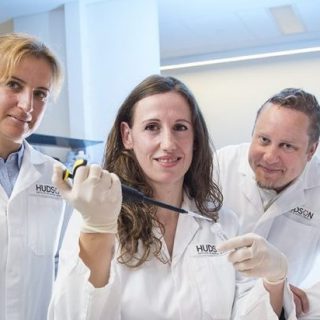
139 261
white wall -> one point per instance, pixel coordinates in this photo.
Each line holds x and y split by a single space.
230 94
49 27
106 48
123 50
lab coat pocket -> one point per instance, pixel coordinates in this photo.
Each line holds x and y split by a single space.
44 223
215 278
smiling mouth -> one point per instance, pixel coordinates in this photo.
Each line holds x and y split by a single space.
270 170
168 160
20 120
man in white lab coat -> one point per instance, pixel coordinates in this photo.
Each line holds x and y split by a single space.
273 184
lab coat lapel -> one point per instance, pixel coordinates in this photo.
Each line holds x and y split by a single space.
312 173
291 198
28 173
250 191
186 229
248 186
283 204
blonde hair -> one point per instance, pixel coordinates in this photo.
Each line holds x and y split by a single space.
16 46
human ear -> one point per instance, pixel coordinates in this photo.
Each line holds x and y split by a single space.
312 150
126 135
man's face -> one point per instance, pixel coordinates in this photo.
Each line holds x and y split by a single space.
280 146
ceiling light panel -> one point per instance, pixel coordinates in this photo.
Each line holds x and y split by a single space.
287 20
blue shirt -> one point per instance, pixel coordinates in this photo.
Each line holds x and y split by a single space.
9 170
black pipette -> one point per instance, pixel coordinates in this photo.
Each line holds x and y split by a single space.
131 194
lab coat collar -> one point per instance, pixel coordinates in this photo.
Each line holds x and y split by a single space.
295 193
248 185
29 172
34 156
311 173
288 199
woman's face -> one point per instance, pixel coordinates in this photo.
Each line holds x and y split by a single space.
161 137
23 98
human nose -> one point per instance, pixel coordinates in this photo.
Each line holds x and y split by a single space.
168 142
25 100
271 155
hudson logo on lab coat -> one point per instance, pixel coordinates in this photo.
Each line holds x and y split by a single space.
302 212
46 190
207 249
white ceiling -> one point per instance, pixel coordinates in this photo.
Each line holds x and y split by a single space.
192 30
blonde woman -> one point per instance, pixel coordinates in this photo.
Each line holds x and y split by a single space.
32 211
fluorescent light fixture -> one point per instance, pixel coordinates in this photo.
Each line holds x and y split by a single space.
287 20
241 58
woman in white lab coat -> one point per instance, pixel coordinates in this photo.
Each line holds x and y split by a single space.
31 214
161 265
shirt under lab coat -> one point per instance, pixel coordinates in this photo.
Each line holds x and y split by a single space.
30 228
197 284
291 223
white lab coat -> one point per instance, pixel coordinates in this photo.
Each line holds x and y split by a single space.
198 283
291 223
30 227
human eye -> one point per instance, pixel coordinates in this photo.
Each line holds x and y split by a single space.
152 126
41 95
263 140
14 85
288 147
180 127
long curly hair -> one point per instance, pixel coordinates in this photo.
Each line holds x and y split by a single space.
136 222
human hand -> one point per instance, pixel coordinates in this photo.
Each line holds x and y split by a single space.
300 299
253 256
95 193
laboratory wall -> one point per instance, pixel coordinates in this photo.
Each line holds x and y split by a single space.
102 64
105 48
229 94
50 28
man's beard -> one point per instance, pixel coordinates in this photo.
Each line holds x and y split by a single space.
266 186
272 186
